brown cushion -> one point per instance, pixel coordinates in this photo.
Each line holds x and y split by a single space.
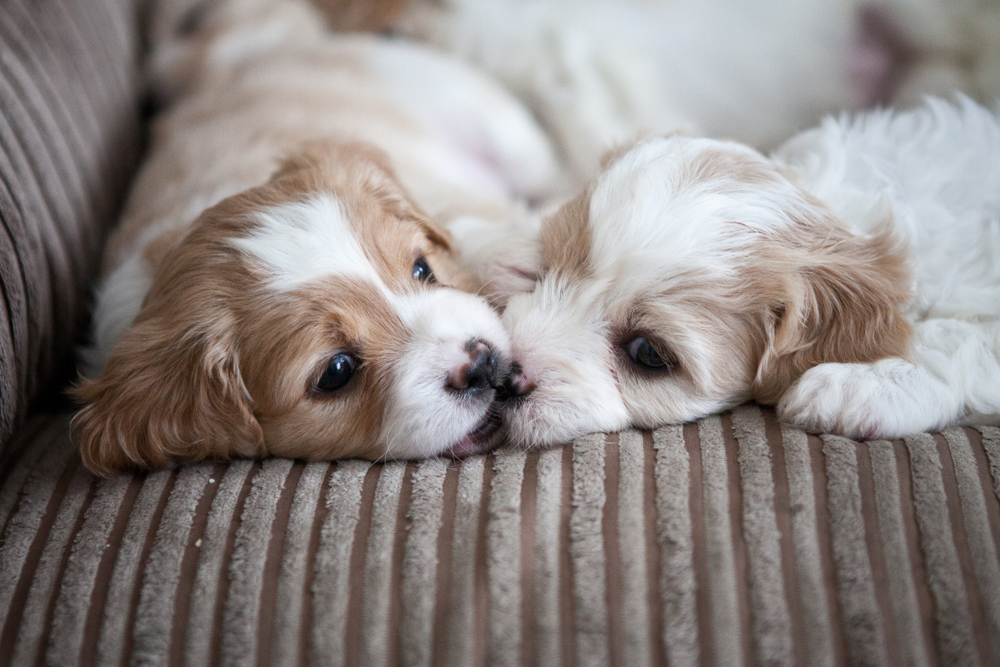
731 541
69 122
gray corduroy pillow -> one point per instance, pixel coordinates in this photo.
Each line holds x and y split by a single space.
69 137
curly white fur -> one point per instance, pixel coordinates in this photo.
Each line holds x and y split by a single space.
785 279
936 168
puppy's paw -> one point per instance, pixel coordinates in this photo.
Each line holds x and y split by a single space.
884 400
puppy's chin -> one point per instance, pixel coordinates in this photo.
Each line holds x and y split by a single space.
486 435
545 421
459 431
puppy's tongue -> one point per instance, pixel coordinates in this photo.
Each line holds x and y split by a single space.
465 447
476 440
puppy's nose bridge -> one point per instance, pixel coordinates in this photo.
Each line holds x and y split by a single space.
479 373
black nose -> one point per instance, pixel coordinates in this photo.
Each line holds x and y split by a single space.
515 385
479 374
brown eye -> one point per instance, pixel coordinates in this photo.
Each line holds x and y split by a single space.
642 352
338 373
422 271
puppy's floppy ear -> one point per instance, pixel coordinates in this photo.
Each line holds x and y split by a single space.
837 297
162 400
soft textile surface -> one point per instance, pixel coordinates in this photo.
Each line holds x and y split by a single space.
730 541
69 119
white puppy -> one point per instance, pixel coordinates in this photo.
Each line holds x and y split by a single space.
281 283
853 279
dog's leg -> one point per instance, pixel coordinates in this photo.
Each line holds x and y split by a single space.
954 378
884 400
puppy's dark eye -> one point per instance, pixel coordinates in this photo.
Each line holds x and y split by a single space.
642 352
338 373
422 271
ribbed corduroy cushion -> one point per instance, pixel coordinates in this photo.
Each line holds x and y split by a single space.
69 119
731 541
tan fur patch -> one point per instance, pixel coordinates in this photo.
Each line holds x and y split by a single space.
835 297
714 165
157 249
216 365
566 237
287 350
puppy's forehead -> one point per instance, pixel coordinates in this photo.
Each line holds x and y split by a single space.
672 200
302 242
305 239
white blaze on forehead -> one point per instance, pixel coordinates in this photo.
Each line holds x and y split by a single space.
302 242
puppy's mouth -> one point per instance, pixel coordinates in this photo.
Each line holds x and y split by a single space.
482 438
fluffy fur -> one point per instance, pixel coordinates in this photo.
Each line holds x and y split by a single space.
597 72
238 293
853 279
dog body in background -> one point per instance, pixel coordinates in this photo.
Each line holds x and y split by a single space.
598 72
853 279
932 174
280 282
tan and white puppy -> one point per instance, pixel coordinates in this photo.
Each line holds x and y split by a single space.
852 279
281 283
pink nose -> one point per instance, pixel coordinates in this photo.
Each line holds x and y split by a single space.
517 383
477 374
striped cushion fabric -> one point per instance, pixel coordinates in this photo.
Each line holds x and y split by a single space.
731 541
69 121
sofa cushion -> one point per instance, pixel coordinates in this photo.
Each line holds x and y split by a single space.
69 121
735 540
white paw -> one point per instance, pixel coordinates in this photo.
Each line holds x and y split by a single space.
884 400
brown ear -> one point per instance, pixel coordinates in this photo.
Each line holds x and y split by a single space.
163 400
839 298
